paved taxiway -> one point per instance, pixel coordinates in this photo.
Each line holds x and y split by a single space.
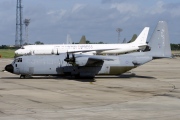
152 94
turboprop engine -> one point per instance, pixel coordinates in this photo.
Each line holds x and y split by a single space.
76 60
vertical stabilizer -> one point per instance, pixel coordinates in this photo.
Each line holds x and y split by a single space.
159 42
141 39
83 40
133 38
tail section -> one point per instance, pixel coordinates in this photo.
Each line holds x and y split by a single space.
141 39
133 38
83 40
159 42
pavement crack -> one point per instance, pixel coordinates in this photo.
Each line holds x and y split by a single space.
167 95
34 101
2 112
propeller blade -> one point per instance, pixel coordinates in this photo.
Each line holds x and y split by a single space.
57 52
52 51
73 58
67 58
67 55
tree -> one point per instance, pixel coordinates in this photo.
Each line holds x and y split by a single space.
88 42
175 46
100 42
4 47
39 43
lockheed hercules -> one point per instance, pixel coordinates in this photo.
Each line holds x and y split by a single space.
80 65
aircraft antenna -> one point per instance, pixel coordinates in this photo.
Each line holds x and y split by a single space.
119 30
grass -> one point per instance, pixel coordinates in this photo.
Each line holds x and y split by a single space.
7 53
176 52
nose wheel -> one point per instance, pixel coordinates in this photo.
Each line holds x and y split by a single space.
24 76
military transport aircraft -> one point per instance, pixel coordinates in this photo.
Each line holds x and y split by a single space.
91 65
138 44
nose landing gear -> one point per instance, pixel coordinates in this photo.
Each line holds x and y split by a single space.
24 76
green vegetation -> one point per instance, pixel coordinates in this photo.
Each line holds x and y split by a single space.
39 43
88 42
7 53
175 46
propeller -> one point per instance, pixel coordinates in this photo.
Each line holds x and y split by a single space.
70 60
67 58
67 55
31 52
57 52
73 58
52 51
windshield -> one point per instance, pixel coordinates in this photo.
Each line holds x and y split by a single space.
17 60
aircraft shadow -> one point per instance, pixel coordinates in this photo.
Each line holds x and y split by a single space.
83 79
123 76
126 76
54 78
136 76
9 78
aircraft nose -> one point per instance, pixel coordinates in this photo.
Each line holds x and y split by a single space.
17 52
9 68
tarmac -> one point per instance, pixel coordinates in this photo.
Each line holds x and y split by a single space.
149 92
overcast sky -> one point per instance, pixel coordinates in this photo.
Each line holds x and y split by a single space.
52 20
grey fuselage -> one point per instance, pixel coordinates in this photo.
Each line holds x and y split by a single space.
55 65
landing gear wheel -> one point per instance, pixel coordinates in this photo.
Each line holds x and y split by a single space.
77 76
22 76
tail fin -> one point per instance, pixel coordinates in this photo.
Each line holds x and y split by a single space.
83 40
141 39
159 42
133 38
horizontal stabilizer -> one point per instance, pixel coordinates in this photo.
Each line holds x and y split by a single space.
141 39
83 40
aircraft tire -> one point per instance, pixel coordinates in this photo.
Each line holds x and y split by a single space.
82 77
77 76
22 76
25 76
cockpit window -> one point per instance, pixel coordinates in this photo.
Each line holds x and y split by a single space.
17 60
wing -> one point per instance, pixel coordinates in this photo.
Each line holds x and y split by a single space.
87 60
97 60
